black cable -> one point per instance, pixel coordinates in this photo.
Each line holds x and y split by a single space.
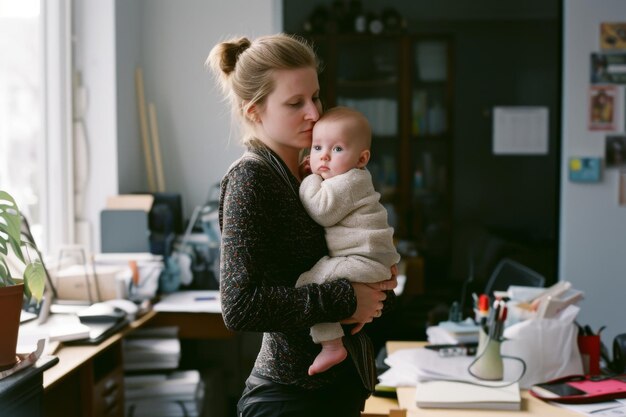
469 370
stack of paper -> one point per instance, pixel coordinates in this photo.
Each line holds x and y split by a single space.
448 332
444 382
149 267
152 348
199 301
177 394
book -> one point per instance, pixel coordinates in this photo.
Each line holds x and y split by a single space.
159 407
179 385
453 394
61 328
461 332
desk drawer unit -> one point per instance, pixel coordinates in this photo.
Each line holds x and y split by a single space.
108 383
108 395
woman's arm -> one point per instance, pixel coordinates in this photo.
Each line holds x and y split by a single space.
250 299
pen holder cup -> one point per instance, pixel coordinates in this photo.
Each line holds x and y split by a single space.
483 339
589 347
489 365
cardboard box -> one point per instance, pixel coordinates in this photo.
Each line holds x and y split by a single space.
112 282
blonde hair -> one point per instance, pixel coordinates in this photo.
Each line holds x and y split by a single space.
244 69
356 123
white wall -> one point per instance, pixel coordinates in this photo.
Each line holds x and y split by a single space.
193 121
95 58
593 225
128 50
170 40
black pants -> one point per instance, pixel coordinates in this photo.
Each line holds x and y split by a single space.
264 398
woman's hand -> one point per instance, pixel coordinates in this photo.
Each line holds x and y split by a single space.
369 300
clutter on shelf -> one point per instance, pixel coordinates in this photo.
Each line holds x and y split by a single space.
351 17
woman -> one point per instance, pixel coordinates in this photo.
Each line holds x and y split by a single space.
268 240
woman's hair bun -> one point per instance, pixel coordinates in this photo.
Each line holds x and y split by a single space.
230 53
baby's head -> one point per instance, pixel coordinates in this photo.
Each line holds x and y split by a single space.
341 141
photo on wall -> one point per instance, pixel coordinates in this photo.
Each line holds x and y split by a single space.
585 169
615 151
604 107
612 36
608 68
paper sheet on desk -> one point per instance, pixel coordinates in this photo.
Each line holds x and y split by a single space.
190 302
616 408
410 366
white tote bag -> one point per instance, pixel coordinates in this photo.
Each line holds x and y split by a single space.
548 346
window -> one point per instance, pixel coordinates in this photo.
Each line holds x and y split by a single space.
21 116
33 39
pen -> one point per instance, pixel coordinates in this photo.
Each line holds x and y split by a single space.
481 307
483 303
503 314
494 319
207 298
135 271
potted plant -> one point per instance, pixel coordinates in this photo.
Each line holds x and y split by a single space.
13 289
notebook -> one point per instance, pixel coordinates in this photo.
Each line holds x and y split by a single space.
98 332
451 394
58 327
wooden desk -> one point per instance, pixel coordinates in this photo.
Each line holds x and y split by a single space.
194 325
89 380
383 407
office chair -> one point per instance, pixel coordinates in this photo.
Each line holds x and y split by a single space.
508 272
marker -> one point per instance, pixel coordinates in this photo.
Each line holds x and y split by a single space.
483 303
135 270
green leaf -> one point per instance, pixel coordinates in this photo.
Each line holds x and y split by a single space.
4 273
35 279
27 295
10 226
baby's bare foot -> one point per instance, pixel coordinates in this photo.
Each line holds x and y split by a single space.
330 355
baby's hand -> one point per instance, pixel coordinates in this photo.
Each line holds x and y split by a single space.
305 167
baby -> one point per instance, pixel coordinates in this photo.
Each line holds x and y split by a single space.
339 195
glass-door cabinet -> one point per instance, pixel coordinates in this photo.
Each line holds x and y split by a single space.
430 142
401 83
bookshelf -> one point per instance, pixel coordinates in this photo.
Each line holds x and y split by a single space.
403 85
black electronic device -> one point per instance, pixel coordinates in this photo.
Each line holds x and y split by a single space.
101 313
560 389
461 349
174 202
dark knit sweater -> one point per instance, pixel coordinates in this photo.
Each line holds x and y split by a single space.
268 240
